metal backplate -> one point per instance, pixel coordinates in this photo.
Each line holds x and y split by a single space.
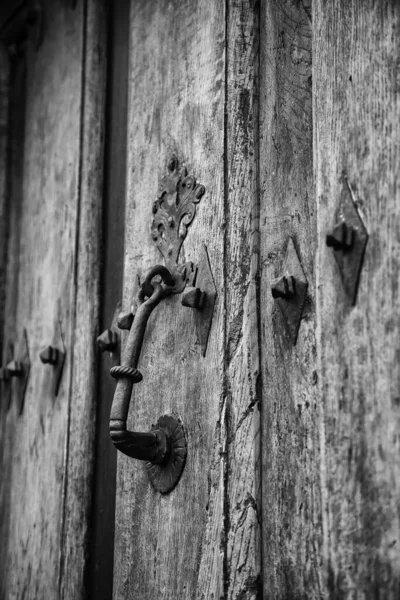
58 368
165 477
350 261
19 384
292 308
205 281
116 353
6 385
174 210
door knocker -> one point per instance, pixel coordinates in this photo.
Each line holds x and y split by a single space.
164 446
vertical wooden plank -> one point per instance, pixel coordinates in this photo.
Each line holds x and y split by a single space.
4 111
243 493
356 61
290 456
77 495
171 545
40 271
54 217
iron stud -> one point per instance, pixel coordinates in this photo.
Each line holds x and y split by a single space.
107 341
341 237
193 298
125 320
49 355
15 368
283 287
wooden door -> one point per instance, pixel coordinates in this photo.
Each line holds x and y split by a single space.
287 114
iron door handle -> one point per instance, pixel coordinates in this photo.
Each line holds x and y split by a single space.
164 446
153 445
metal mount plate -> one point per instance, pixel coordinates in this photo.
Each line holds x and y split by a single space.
165 477
174 210
115 354
205 281
292 308
58 368
350 261
6 385
19 384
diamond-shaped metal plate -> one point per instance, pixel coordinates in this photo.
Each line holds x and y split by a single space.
350 260
6 384
59 367
203 317
19 384
292 308
116 353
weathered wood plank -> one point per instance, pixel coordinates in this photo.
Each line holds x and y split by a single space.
172 546
46 451
77 495
243 497
42 243
356 61
290 447
4 108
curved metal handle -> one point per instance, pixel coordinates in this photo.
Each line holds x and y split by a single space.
153 446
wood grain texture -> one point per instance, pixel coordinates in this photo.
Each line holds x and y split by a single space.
290 444
53 218
242 493
43 218
4 111
356 61
77 493
172 546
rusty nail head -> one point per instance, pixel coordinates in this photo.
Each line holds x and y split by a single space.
49 355
15 368
194 298
125 320
341 237
283 287
108 340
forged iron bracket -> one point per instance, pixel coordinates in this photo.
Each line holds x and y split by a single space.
349 258
290 291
